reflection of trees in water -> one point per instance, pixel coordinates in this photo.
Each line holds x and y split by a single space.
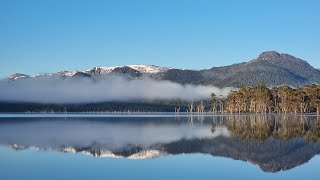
200 119
190 120
262 127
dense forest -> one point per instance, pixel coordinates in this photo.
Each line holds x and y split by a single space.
261 99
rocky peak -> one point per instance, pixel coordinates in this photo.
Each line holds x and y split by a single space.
283 60
18 76
81 75
126 70
269 55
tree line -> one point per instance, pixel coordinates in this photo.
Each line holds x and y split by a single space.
261 99
156 106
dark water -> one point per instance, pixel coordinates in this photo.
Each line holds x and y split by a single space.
159 147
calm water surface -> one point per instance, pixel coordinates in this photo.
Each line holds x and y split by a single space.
159 147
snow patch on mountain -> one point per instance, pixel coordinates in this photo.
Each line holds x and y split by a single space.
100 70
148 68
101 153
148 154
67 73
145 69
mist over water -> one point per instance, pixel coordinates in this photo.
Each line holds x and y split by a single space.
108 133
113 88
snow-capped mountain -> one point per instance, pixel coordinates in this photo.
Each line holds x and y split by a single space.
148 70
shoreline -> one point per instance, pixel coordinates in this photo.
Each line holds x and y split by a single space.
140 114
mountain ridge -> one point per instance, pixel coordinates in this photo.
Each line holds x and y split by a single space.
270 67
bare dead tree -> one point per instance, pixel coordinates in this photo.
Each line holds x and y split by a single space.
190 106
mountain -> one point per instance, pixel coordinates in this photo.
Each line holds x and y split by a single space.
132 71
270 68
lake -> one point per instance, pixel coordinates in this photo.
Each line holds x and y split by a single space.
159 146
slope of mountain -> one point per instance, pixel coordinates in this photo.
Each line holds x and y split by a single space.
270 68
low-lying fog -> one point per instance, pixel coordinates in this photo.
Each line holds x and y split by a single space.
113 88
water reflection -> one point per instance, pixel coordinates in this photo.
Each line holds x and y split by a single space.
280 127
274 143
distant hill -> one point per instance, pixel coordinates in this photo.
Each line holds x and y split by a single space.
270 68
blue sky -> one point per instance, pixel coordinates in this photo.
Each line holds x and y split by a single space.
52 35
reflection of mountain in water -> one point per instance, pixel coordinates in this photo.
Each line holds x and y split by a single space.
271 155
274 143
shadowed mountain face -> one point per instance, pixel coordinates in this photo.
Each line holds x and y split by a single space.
270 68
274 143
127 70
